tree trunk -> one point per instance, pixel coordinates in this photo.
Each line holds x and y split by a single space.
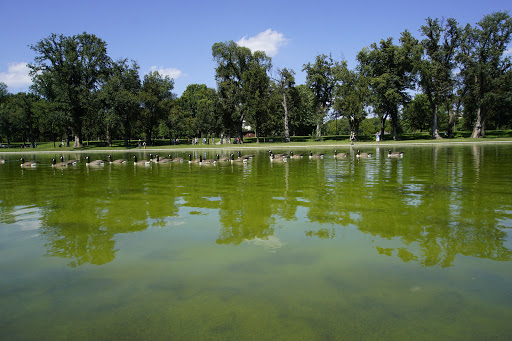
108 137
451 122
435 127
286 129
479 130
319 121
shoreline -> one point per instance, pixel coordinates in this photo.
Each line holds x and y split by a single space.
277 146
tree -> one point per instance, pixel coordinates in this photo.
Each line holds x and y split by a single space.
155 94
256 91
69 70
322 78
286 85
198 107
235 66
26 111
391 72
351 97
416 114
120 98
484 67
437 69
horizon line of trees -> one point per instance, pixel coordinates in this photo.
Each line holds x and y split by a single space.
452 76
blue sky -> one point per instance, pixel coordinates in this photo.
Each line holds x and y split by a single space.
175 37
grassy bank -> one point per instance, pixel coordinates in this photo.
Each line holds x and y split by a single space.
274 142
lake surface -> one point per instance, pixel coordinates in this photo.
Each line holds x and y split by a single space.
418 247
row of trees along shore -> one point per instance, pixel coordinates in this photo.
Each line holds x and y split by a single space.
450 76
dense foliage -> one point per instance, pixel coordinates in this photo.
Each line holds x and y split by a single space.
450 76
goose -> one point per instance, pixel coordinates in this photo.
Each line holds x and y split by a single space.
27 163
237 160
162 160
315 156
178 159
339 156
296 156
69 162
363 155
88 162
141 162
277 155
2 160
245 156
59 164
116 161
194 160
223 159
274 158
206 161
395 154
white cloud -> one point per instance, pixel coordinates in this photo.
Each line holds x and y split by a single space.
171 72
268 41
16 75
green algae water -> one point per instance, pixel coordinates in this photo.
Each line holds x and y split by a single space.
418 247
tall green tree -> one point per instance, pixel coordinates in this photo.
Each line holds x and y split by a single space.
69 70
27 115
322 78
417 113
256 91
235 66
155 95
286 86
485 67
391 70
440 46
120 98
351 97
199 110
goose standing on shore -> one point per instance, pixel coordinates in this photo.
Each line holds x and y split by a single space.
27 163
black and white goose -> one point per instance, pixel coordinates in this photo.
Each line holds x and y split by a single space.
315 156
25 164
117 160
88 162
395 154
363 155
140 162
59 164
341 155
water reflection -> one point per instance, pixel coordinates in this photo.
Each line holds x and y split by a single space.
429 207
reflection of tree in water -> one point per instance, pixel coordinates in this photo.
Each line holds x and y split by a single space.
433 207
81 219
440 211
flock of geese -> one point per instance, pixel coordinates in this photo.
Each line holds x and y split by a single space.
231 158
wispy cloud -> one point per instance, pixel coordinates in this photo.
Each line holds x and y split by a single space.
509 51
171 72
16 76
268 41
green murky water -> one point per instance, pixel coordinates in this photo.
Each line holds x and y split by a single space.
379 248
